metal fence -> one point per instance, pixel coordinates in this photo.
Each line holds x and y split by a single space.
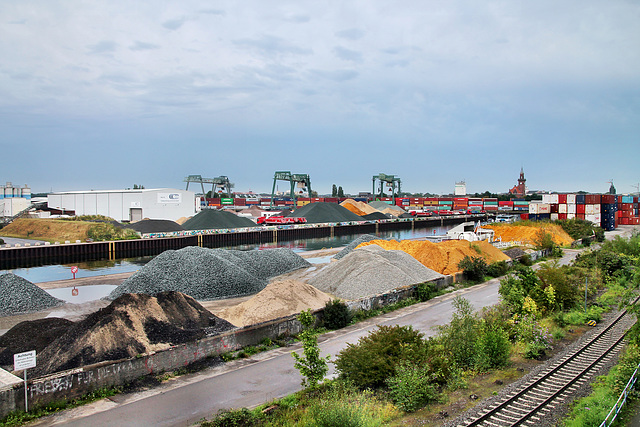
613 413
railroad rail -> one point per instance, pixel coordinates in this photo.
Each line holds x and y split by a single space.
549 388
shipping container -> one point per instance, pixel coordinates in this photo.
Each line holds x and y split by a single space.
580 199
550 198
608 198
593 199
571 215
571 199
562 199
563 209
571 209
524 216
562 216
554 216
580 209
554 208
539 208
240 202
626 199
333 200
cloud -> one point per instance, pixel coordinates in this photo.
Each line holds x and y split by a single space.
105 46
138 45
336 75
272 44
174 24
298 19
350 34
347 54
213 12
18 22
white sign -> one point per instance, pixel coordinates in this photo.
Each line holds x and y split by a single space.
169 198
24 360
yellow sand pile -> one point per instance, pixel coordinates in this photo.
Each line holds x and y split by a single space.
443 257
527 234
358 208
182 220
278 299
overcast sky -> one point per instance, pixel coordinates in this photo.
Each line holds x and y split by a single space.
105 95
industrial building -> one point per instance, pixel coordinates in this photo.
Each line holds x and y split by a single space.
14 200
127 205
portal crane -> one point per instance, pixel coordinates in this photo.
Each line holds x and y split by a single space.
389 180
220 184
299 182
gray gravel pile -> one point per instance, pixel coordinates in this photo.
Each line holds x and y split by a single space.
351 246
514 253
21 296
206 274
371 270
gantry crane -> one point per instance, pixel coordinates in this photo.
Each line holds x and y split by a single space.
298 181
389 180
220 184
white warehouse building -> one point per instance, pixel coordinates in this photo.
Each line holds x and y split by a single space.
128 205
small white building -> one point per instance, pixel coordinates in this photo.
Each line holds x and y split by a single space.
128 205
13 200
460 189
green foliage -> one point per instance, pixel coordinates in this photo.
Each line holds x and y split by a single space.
460 335
1 241
543 240
374 358
517 286
89 218
104 231
492 347
568 283
235 418
498 269
336 314
579 229
334 191
412 387
578 316
526 260
361 315
312 367
426 291
473 268
537 339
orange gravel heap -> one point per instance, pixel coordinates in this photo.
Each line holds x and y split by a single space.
527 233
443 257
358 208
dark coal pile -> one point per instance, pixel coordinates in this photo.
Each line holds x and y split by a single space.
405 215
322 212
207 274
21 296
209 219
514 253
155 226
31 335
132 324
354 244
375 216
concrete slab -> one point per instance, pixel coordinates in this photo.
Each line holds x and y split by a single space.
8 379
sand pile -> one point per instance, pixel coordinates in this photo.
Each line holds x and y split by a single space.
209 219
322 212
443 257
155 226
182 220
278 299
527 233
19 295
358 208
371 270
207 274
131 325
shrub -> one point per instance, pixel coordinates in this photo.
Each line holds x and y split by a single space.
1 241
460 335
312 367
473 268
234 418
336 314
498 269
536 338
426 291
374 358
104 231
526 260
492 347
412 387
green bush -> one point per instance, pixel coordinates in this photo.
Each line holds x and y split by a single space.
526 260
492 347
543 240
498 269
336 314
426 291
473 268
234 418
374 358
412 387
460 335
104 231
1 241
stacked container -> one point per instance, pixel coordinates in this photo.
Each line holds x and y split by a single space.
490 204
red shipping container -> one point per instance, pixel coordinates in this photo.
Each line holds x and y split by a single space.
580 215
625 206
562 216
624 221
595 199
555 208
562 199
580 210
608 198
334 199
524 217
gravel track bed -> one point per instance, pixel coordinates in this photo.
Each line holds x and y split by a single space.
21 296
206 274
560 411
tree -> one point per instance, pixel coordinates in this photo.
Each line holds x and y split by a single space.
334 191
340 192
312 367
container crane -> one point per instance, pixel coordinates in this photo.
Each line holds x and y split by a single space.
298 181
390 181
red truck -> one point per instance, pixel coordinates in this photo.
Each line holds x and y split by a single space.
279 220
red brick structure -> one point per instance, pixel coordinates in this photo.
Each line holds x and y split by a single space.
519 190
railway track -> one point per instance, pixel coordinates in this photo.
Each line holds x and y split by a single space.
551 387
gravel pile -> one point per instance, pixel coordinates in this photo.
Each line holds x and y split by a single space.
371 270
354 244
21 296
206 274
155 226
209 219
322 212
31 335
514 253
375 216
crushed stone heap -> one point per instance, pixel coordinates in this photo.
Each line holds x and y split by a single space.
208 219
371 270
354 244
132 324
155 226
207 274
21 296
324 212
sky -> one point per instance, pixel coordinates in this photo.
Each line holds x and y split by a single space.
105 95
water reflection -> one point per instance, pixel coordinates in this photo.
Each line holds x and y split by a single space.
82 293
